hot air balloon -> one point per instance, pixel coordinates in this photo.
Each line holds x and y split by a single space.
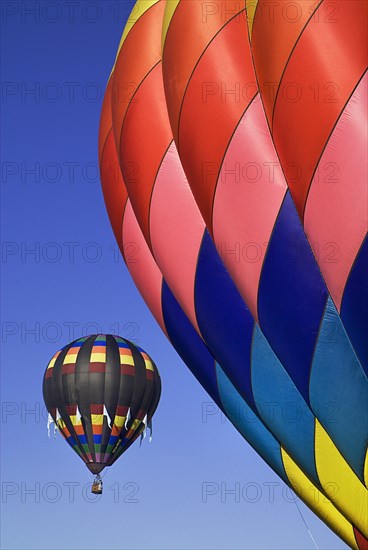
259 336
224 143
189 345
277 275
101 392
325 163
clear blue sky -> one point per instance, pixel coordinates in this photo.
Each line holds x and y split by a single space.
62 278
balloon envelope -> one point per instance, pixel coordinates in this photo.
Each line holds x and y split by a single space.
284 292
101 392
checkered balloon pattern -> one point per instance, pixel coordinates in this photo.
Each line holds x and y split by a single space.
101 392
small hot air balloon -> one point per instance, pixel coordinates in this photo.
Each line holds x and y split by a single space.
101 392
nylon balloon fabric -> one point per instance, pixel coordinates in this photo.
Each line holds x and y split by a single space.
257 323
186 341
101 392
252 216
320 92
227 151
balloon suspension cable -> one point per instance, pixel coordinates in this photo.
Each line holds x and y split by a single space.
305 523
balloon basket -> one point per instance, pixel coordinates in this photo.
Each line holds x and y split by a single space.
97 486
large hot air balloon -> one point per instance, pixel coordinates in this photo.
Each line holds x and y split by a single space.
189 345
261 323
101 392
316 116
